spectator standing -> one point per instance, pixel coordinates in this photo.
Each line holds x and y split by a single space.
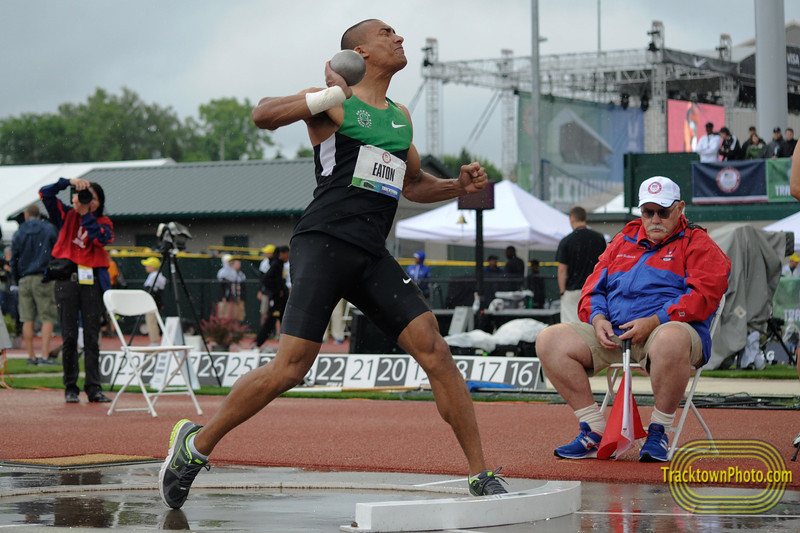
730 150
514 269
232 281
775 148
275 286
577 254
789 143
534 282
420 273
83 233
268 251
754 147
31 252
155 283
8 289
707 147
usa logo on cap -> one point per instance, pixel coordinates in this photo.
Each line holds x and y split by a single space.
654 188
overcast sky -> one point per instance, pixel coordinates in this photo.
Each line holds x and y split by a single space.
184 53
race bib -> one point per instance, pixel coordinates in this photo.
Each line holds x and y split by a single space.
85 275
379 171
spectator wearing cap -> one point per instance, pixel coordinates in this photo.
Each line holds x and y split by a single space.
492 267
155 284
791 269
263 268
658 284
776 148
420 273
708 147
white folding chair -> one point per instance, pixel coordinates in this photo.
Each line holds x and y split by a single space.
613 373
132 303
348 317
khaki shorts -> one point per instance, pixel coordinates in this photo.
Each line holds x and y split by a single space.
37 297
601 357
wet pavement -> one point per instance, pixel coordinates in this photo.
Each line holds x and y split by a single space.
125 498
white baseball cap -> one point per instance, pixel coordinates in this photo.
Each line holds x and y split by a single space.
659 190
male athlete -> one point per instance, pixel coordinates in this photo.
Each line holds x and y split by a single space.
364 160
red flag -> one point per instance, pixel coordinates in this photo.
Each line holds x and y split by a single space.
624 425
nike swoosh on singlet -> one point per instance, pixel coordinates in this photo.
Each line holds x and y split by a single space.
406 280
398 125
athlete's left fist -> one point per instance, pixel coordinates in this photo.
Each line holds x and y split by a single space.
473 177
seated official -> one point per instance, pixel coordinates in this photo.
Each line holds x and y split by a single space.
659 284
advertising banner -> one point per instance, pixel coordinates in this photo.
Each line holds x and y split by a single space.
582 143
730 182
778 171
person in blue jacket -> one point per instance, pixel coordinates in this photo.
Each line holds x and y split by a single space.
420 273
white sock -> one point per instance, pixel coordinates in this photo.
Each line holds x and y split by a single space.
662 418
592 416
194 450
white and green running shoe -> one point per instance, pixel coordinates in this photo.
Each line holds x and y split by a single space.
181 466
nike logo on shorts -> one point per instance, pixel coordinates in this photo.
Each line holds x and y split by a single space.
406 280
398 125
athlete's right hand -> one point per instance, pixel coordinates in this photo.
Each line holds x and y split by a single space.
332 78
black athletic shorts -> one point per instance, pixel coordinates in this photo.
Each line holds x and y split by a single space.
325 269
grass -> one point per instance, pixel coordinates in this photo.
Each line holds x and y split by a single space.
769 372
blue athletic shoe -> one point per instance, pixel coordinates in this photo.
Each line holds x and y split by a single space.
656 447
583 447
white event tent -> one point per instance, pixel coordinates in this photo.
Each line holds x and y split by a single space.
518 219
790 223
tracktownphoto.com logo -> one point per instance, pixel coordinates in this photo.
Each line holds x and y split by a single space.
755 468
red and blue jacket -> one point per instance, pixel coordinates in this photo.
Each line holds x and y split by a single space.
682 278
81 239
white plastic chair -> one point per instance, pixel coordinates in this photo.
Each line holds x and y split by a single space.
133 303
613 373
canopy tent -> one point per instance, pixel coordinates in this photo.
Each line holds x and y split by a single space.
518 219
756 257
790 223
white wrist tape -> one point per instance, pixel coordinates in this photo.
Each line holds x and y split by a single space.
323 100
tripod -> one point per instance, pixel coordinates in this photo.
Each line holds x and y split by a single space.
774 332
169 256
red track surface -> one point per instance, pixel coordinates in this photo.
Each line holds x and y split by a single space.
358 435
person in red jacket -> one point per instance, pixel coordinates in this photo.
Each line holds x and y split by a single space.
659 284
83 232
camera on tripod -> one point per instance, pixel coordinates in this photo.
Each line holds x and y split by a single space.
172 235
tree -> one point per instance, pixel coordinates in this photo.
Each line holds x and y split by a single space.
105 128
33 139
454 163
304 152
122 127
230 131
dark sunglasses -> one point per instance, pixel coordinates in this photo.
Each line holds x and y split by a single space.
664 212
